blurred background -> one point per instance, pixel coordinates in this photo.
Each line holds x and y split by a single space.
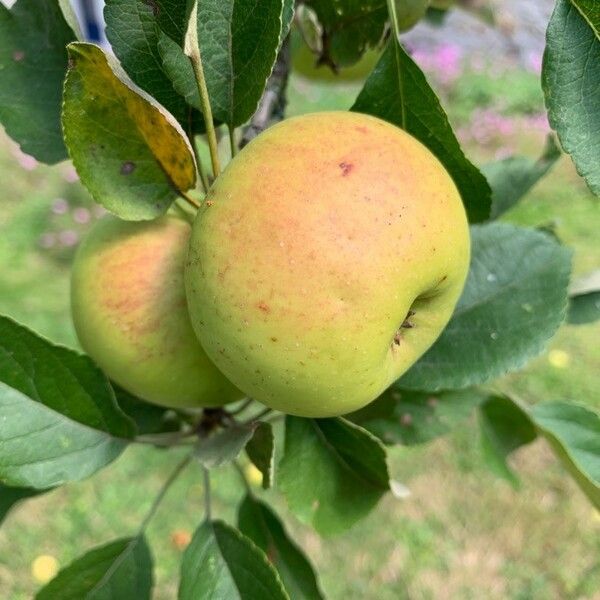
462 533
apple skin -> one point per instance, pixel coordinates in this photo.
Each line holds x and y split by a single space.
315 243
410 12
130 313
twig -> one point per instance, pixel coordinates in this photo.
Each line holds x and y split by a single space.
166 439
271 107
256 417
192 51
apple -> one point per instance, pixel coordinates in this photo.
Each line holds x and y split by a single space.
441 4
327 259
410 12
130 313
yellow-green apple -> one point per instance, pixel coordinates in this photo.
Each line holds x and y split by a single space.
328 257
130 313
410 12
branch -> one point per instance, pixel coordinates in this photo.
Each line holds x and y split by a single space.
271 107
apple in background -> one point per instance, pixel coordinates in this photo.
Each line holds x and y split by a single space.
410 12
327 259
130 313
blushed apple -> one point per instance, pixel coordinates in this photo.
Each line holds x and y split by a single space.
327 259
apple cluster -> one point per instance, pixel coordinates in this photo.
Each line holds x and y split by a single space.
324 261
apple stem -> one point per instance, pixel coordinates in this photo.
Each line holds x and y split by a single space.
242 407
192 51
189 199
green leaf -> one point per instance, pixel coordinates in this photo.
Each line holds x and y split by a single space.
261 451
407 417
573 432
9 496
350 28
222 563
258 522
33 63
505 426
117 571
584 301
60 420
512 177
570 76
134 28
238 42
333 472
287 16
224 445
134 169
514 300
398 92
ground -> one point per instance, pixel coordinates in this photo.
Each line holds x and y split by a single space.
461 534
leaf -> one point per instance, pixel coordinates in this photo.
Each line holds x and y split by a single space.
333 472
71 18
33 63
584 308
513 302
259 523
398 92
135 169
238 42
9 496
570 76
222 563
406 417
60 420
505 426
116 571
134 28
224 445
261 451
573 432
584 301
350 27
512 177
287 16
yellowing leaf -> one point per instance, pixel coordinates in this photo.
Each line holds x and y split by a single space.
129 151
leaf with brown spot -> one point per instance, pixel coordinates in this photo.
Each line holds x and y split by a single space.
121 140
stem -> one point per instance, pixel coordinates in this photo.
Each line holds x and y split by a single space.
192 50
163 490
262 413
207 502
203 177
168 439
393 18
188 199
242 408
232 140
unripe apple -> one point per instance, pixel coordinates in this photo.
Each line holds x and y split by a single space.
410 12
130 313
329 256
442 4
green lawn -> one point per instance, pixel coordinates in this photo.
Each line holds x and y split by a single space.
461 534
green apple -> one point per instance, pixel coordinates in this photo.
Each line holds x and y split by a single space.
130 313
328 258
410 12
442 4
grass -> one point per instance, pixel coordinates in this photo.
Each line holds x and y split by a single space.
461 534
